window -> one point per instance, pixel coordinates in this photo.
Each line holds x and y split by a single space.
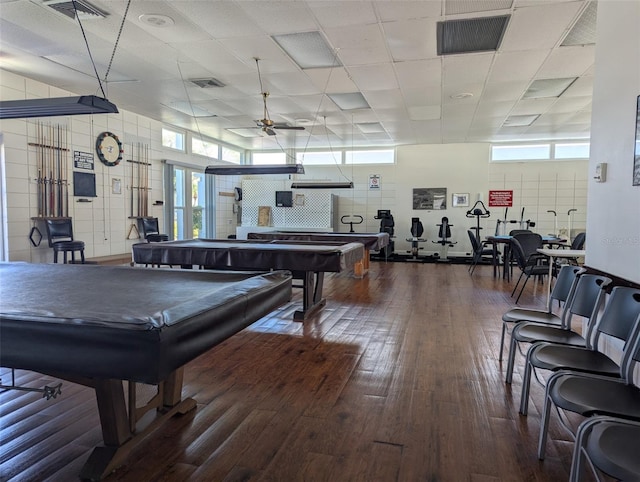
204 148
231 155
190 204
574 150
541 151
261 158
173 139
319 158
520 152
385 156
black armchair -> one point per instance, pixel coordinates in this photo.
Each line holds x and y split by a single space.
60 235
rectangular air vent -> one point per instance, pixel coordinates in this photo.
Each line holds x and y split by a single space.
471 35
207 83
85 10
583 31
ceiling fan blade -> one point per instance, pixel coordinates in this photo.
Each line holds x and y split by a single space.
291 128
269 131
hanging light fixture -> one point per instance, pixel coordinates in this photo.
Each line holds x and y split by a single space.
321 185
57 106
246 169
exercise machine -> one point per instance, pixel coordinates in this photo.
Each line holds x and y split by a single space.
478 211
351 220
444 233
387 225
416 238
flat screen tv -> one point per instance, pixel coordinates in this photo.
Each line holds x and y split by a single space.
84 184
284 199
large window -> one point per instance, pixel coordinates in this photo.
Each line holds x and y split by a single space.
204 148
173 139
369 157
261 158
542 151
319 158
231 155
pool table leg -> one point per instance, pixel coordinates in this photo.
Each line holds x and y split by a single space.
312 299
118 436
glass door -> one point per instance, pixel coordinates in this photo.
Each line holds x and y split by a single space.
191 204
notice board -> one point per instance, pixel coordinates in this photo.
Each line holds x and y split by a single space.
502 199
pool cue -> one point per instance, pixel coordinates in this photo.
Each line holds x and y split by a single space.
131 186
39 163
139 181
59 179
66 171
52 199
146 179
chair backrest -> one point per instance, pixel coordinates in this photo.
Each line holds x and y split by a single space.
620 314
564 282
475 244
585 300
513 232
59 230
150 226
578 241
530 242
416 227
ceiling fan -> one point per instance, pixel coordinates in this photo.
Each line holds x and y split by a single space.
266 124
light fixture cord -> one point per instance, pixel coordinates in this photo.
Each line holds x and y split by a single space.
115 47
86 42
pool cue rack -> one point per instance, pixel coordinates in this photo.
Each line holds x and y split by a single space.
139 187
52 159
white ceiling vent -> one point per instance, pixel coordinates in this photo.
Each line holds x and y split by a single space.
471 35
584 30
207 83
85 10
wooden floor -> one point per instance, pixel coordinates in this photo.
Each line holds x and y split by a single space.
397 379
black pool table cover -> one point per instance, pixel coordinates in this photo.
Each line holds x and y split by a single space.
125 323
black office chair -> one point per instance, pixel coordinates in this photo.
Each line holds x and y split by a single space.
584 301
523 249
577 243
60 235
617 322
151 231
610 445
479 250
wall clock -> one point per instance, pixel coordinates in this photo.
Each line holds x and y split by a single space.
109 149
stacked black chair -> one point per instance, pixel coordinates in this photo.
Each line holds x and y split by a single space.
151 231
60 235
523 249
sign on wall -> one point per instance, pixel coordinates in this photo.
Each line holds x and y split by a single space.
374 181
501 199
83 160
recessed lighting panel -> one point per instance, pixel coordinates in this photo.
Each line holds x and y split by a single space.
542 88
309 50
520 120
350 101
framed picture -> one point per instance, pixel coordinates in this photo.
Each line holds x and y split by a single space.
116 186
431 198
460 199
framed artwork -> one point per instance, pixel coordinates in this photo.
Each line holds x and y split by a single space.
116 186
430 198
460 199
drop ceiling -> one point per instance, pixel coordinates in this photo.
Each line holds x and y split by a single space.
384 50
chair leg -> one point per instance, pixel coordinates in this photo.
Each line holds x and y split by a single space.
504 332
579 455
526 382
65 257
512 355
55 256
517 283
546 413
73 257
82 256
522 288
